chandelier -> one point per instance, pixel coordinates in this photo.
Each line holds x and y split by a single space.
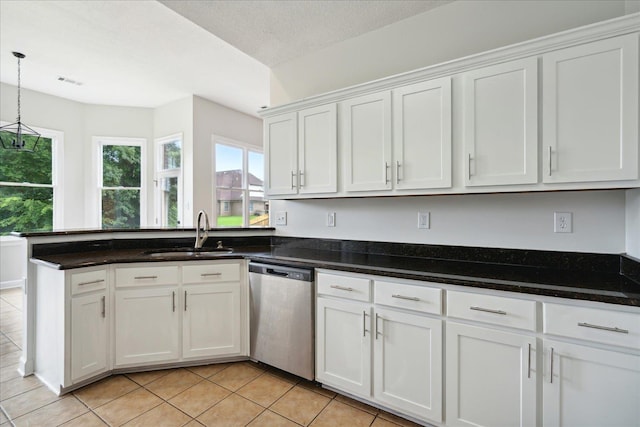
18 136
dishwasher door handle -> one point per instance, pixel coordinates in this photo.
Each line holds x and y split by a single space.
277 273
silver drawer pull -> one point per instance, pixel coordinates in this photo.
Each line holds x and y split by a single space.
93 282
145 277
210 274
405 297
488 310
604 328
342 288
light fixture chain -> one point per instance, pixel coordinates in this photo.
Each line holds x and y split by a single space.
18 89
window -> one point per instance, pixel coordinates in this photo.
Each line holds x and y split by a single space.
30 186
239 185
168 181
121 182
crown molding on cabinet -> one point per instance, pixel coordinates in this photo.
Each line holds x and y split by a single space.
610 28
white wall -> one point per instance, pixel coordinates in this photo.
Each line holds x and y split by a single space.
519 221
452 31
633 222
211 119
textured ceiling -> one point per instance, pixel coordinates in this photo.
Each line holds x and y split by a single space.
142 53
278 31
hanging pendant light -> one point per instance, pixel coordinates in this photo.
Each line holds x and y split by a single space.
18 136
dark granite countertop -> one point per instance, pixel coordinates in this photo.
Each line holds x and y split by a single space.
576 283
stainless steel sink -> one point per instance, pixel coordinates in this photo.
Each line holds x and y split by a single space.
204 252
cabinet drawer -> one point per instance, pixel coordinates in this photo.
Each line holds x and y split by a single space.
88 281
419 298
502 311
147 276
208 273
605 326
356 288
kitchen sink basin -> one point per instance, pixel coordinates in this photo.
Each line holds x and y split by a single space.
189 252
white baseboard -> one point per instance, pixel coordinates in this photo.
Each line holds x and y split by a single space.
19 283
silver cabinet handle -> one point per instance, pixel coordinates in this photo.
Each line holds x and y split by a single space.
488 310
549 152
145 277
364 323
529 362
210 274
93 282
397 172
376 325
300 179
185 300
405 297
386 172
104 306
293 175
341 288
173 301
469 167
603 328
551 368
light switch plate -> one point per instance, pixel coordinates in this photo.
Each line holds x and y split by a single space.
281 218
331 219
424 220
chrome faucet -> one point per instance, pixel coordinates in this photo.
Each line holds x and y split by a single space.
201 239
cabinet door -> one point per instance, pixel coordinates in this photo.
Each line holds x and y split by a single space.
590 387
590 111
89 332
343 345
422 135
491 378
211 320
146 326
317 150
365 124
408 363
281 154
501 124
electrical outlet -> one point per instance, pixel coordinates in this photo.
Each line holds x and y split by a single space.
331 219
281 218
562 222
424 220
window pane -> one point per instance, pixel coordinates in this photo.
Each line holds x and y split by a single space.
121 166
229 207
258 206
171 155
228 166
26 209
120 209
35 168
169 202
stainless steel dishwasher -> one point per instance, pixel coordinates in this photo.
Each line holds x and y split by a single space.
282 317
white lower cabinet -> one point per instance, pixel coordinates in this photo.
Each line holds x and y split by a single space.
490 377
586 386
343 345
89 335
408 363
211 320
146 326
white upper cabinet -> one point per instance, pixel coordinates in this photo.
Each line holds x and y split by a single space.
317 150
422 135
500 127
281 148
365 124
590 111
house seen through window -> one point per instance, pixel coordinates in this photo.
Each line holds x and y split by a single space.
27 188
239 186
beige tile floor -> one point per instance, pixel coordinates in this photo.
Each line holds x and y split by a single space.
231 394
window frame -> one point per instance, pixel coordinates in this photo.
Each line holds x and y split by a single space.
99 143
160 174
246 190
57 173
